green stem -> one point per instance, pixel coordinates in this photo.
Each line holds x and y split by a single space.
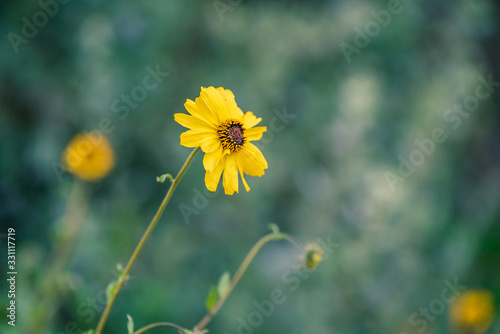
145 236
46 296
241 270
159 324
295 242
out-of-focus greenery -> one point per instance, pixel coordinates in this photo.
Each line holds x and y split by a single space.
327 164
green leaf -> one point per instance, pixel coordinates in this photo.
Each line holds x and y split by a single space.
119 269
110 289
211 298
223 284
164 177
130 324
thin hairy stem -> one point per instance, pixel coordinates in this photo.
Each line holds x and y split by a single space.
241 270
140 245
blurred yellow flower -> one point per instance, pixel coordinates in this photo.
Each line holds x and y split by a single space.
472 312
313 256
89 157
224 134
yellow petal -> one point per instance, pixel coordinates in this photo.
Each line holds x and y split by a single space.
193 138
210 144
192 122
215 102
230 177
255 133
212 178
232 108
212 159
193 110
251 160
256 154
248 165
247 188
249 120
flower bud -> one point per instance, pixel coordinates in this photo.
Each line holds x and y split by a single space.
313 253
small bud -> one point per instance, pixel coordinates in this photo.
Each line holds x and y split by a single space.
274 228
312 256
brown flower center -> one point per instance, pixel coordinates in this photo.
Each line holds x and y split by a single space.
231 135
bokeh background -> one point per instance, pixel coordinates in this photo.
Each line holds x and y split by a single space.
350 122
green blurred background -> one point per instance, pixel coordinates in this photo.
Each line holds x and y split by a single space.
351 121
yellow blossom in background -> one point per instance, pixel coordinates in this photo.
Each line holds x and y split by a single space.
224 134
472 312
89 157
312 256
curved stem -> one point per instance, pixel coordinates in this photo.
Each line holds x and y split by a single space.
145 236
159 324
241 270
295 242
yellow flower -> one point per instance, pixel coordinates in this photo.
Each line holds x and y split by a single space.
89 157
312 256
472 312
224 134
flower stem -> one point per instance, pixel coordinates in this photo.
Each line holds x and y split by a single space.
45 300
241 270
145 236
159 324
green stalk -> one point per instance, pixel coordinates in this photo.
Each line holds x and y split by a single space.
160 324
46 296
241 270
140 245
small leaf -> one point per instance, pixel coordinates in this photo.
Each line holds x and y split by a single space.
223 284
130 324
110 289
274 228
119 269
164 177
211 298
119 272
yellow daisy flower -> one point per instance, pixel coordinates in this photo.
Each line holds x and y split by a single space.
89 157
472 312
224 133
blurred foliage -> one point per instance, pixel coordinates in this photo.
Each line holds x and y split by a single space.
327 164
